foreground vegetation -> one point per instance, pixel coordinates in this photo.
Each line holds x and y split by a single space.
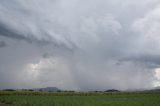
32 98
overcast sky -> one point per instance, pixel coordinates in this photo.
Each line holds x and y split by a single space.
80 44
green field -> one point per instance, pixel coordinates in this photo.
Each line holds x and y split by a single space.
79 99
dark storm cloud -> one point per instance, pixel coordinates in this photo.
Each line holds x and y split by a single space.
82 45
11 33
152 61
7 32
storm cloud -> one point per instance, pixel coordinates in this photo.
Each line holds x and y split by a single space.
80 45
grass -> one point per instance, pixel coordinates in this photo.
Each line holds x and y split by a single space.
81 99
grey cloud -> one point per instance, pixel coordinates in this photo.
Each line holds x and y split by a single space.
3 44
82 45
11 33
20 22
151 61
4 31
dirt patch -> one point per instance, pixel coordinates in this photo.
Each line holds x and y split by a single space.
2 104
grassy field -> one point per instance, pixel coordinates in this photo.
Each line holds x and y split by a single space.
79 99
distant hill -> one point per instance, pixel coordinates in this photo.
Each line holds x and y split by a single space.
49 89
112 90
158 87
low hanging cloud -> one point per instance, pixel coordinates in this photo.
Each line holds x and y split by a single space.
79 45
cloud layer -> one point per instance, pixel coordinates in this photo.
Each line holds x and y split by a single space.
79 45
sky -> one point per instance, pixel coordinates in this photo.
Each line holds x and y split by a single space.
80 44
